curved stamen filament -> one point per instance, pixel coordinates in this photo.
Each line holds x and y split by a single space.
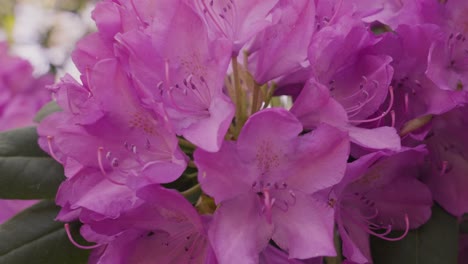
101 167
99 157
444 168
268 202
209 10
406 103
369 226
355 110
392 115
49 144
374 215
337 10
67 230
383 235
390 105
167 71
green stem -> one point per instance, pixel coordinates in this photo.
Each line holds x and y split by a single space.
191 164
193 193
256 93
269 95
238 92
191 175
186 144
337 241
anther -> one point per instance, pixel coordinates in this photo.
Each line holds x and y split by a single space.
115 162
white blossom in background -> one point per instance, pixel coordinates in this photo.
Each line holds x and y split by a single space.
46 35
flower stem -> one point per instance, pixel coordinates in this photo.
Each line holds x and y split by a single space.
186 144
256 93
238 93
193 193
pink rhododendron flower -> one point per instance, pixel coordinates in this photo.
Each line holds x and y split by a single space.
447 165
132 142
187 79
268 190
165 228
416 95
238 21
380 191
21 94
357 77
315 106
160 107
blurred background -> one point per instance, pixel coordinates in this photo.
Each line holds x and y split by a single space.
44 32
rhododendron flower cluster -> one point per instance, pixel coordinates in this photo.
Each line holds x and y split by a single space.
178 146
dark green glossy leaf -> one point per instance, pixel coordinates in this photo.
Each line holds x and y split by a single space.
436 242
20 142
49 108
26 172
29 177
464 224
34 237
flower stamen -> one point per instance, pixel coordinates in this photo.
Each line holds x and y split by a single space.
67 230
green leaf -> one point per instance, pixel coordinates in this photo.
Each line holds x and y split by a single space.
29 177
33 236
20 142
435 242
26 172
49 108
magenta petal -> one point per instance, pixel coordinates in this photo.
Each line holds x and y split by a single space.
8 208
405 195
115 253
314 105
321 159
284 45
94 193
448 64
305 229
108 19
377 138
239 23
287 128
238 232
215 127
89 51
356 245
273 255
212 172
